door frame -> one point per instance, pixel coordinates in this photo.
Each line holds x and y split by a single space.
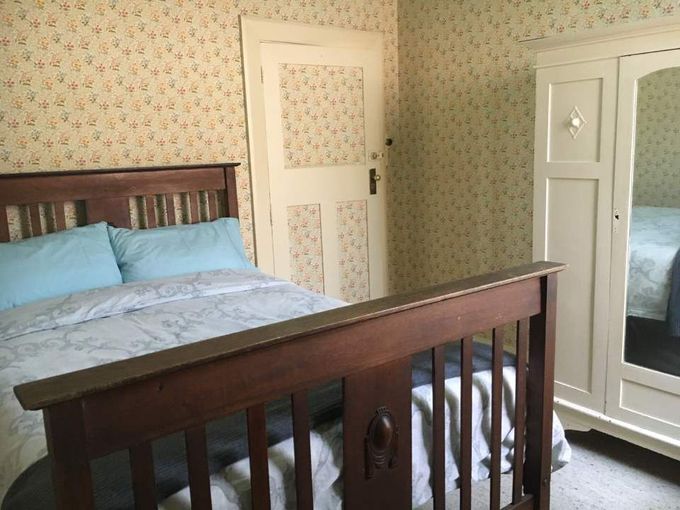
254 31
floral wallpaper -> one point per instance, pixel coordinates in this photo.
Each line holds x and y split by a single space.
322 115
657 147
306 249
107 83
352 222
88 83
463 176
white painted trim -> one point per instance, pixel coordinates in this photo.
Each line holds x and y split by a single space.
646 36
580 418
255 31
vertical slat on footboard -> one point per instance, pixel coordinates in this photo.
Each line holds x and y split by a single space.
259 463
199 473
71 475
540 390
303 458
143 478
438 464
496 410
466 424
520 408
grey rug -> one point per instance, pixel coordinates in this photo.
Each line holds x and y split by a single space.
604 474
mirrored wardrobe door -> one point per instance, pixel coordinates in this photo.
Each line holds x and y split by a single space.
652 329
643 378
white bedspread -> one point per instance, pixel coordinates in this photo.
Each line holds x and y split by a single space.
654 242
104 325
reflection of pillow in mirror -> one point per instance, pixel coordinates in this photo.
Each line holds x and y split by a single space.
180 249
56 264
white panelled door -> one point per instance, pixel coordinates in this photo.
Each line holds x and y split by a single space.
325 143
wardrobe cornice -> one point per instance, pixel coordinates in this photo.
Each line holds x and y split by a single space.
610 42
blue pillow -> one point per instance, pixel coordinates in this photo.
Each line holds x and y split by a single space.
180 249
56 264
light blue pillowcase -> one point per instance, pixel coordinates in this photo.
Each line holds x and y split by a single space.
172 251
56 264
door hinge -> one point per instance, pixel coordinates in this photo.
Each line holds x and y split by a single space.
261 75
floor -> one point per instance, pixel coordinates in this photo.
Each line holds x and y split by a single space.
611 474
604 474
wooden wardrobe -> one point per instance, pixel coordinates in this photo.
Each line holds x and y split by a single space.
588 90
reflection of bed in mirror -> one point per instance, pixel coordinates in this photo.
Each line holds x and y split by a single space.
652 329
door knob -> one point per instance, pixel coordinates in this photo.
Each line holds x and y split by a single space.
376 155
373 178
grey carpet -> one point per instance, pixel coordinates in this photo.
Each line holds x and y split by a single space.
604 474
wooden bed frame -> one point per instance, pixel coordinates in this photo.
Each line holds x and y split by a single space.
128 404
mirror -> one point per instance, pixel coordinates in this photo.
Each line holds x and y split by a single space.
653 296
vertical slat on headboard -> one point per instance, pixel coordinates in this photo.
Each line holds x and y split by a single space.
212 205
170 208
59 215
150 202
194 206
34 211
4 225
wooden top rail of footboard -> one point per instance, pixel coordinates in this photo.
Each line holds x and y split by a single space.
492 306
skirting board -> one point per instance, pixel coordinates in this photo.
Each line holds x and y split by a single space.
576 417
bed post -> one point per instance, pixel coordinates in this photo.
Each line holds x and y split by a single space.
66 444
231 204
540 388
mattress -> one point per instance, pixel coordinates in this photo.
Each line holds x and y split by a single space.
654 243
95 327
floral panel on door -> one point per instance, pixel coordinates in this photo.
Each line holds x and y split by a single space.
353 250
322 115
306 252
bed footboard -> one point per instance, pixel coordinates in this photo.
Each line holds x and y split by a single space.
128 404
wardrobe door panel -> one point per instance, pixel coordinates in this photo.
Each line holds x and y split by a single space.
643 379
572 205
573 172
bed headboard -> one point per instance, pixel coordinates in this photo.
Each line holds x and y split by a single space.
134 197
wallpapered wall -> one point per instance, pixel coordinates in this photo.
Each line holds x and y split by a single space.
657 147
97 84
106 83
467 116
